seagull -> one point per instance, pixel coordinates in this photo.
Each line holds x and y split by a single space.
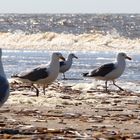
42 75
66 65
4 85
110 71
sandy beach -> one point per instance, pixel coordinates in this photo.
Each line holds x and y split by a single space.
70 112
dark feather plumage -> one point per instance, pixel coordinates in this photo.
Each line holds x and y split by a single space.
36 74
101 71
62 63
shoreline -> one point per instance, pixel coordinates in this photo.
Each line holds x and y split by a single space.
83 50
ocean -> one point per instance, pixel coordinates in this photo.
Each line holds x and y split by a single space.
83 32
28 40
126 25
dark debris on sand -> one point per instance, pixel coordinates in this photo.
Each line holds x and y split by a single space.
90 115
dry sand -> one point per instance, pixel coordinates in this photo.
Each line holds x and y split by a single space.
69 113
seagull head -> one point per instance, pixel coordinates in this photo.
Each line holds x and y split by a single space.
123 56
72 55
59 56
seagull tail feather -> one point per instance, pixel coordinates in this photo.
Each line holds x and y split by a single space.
85 74
14 76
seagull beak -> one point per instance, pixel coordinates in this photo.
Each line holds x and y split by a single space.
76 57
129 58
62 58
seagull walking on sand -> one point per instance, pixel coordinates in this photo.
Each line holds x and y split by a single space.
42 75
110 71
4 85
66 65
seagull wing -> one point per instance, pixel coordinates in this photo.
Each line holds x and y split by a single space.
62 63
35 74
103 70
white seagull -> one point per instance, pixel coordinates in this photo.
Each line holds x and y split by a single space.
4 85
110 71
42 75
66 65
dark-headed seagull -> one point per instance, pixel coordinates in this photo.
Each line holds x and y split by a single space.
42 75
66 65
4 85
110 71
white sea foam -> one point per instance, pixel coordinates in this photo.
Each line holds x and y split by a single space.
69 42
85 86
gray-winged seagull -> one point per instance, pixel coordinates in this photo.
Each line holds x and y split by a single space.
4 85
66 65
42 75
110 71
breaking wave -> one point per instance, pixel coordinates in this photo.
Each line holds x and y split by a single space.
61 41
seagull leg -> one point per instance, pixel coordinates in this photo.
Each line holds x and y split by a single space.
64 76
37 91
117 86
44 87
105 85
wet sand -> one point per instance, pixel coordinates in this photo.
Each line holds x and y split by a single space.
67 112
